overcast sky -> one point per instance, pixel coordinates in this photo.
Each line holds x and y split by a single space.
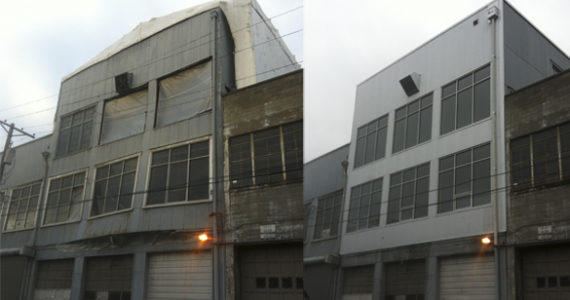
348 41
42 41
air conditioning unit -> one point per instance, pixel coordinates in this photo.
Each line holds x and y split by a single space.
123 82
325 233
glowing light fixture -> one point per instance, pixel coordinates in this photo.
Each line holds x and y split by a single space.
486 240
203 237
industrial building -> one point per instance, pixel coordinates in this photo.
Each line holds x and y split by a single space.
425 212
537 124
127 198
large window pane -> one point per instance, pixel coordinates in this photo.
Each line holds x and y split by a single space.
482 101
364 207
75 132
464 110
447 115
115 184
408 194
371 141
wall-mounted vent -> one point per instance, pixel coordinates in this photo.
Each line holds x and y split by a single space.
411 84
492 13
123 82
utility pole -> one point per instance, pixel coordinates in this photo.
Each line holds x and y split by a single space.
10 129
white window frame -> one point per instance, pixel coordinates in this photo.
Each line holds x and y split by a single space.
149 167
10 204
94 174
84 193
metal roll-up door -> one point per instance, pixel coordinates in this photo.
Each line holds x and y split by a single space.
467 278
180 275
546 273
357 283
108 278
53 280
405 280
271 272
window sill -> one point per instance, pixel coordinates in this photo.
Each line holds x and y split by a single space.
151 206
264 185
324 239
60 223
110 214
17 230
464 127
541 187
407 221
464 209
411 147
357 231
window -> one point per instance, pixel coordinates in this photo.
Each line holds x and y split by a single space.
65 199
180 174
364 210
409 193
328 215
413 123
114 184
465 179
124 117
541 158
466 100
371 141
184 95
23 207
75 132
277 155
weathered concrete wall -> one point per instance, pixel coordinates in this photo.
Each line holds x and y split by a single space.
544 214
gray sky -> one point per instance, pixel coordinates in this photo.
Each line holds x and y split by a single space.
348 41
42 41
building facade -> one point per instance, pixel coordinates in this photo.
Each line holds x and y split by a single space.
263 140
427 161
538 216
112 204
325 181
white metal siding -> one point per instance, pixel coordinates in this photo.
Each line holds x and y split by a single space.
181 275
467 278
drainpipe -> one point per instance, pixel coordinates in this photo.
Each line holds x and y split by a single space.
31 270
336 278
493 14
217 170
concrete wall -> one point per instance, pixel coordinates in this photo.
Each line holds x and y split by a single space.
267 104
530 110
455 52
528 53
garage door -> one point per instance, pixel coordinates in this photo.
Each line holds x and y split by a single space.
53 280
357 283
546 273
405 280
467 278
180 275
108 278
271 272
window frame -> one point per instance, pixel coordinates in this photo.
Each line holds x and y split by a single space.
357 211
252 182
472 180
59 154
332 220
82 202
185 202
405 119
413 206
375 154
561 158
22 186
454 95
134 192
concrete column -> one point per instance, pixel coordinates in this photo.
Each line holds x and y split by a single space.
77 278
339 280
139 276
432 270
378 284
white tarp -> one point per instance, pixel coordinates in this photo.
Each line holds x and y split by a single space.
184 95
239 16
124 117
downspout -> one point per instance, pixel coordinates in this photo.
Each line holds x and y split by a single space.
28 291
493 14
217 170
336 278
